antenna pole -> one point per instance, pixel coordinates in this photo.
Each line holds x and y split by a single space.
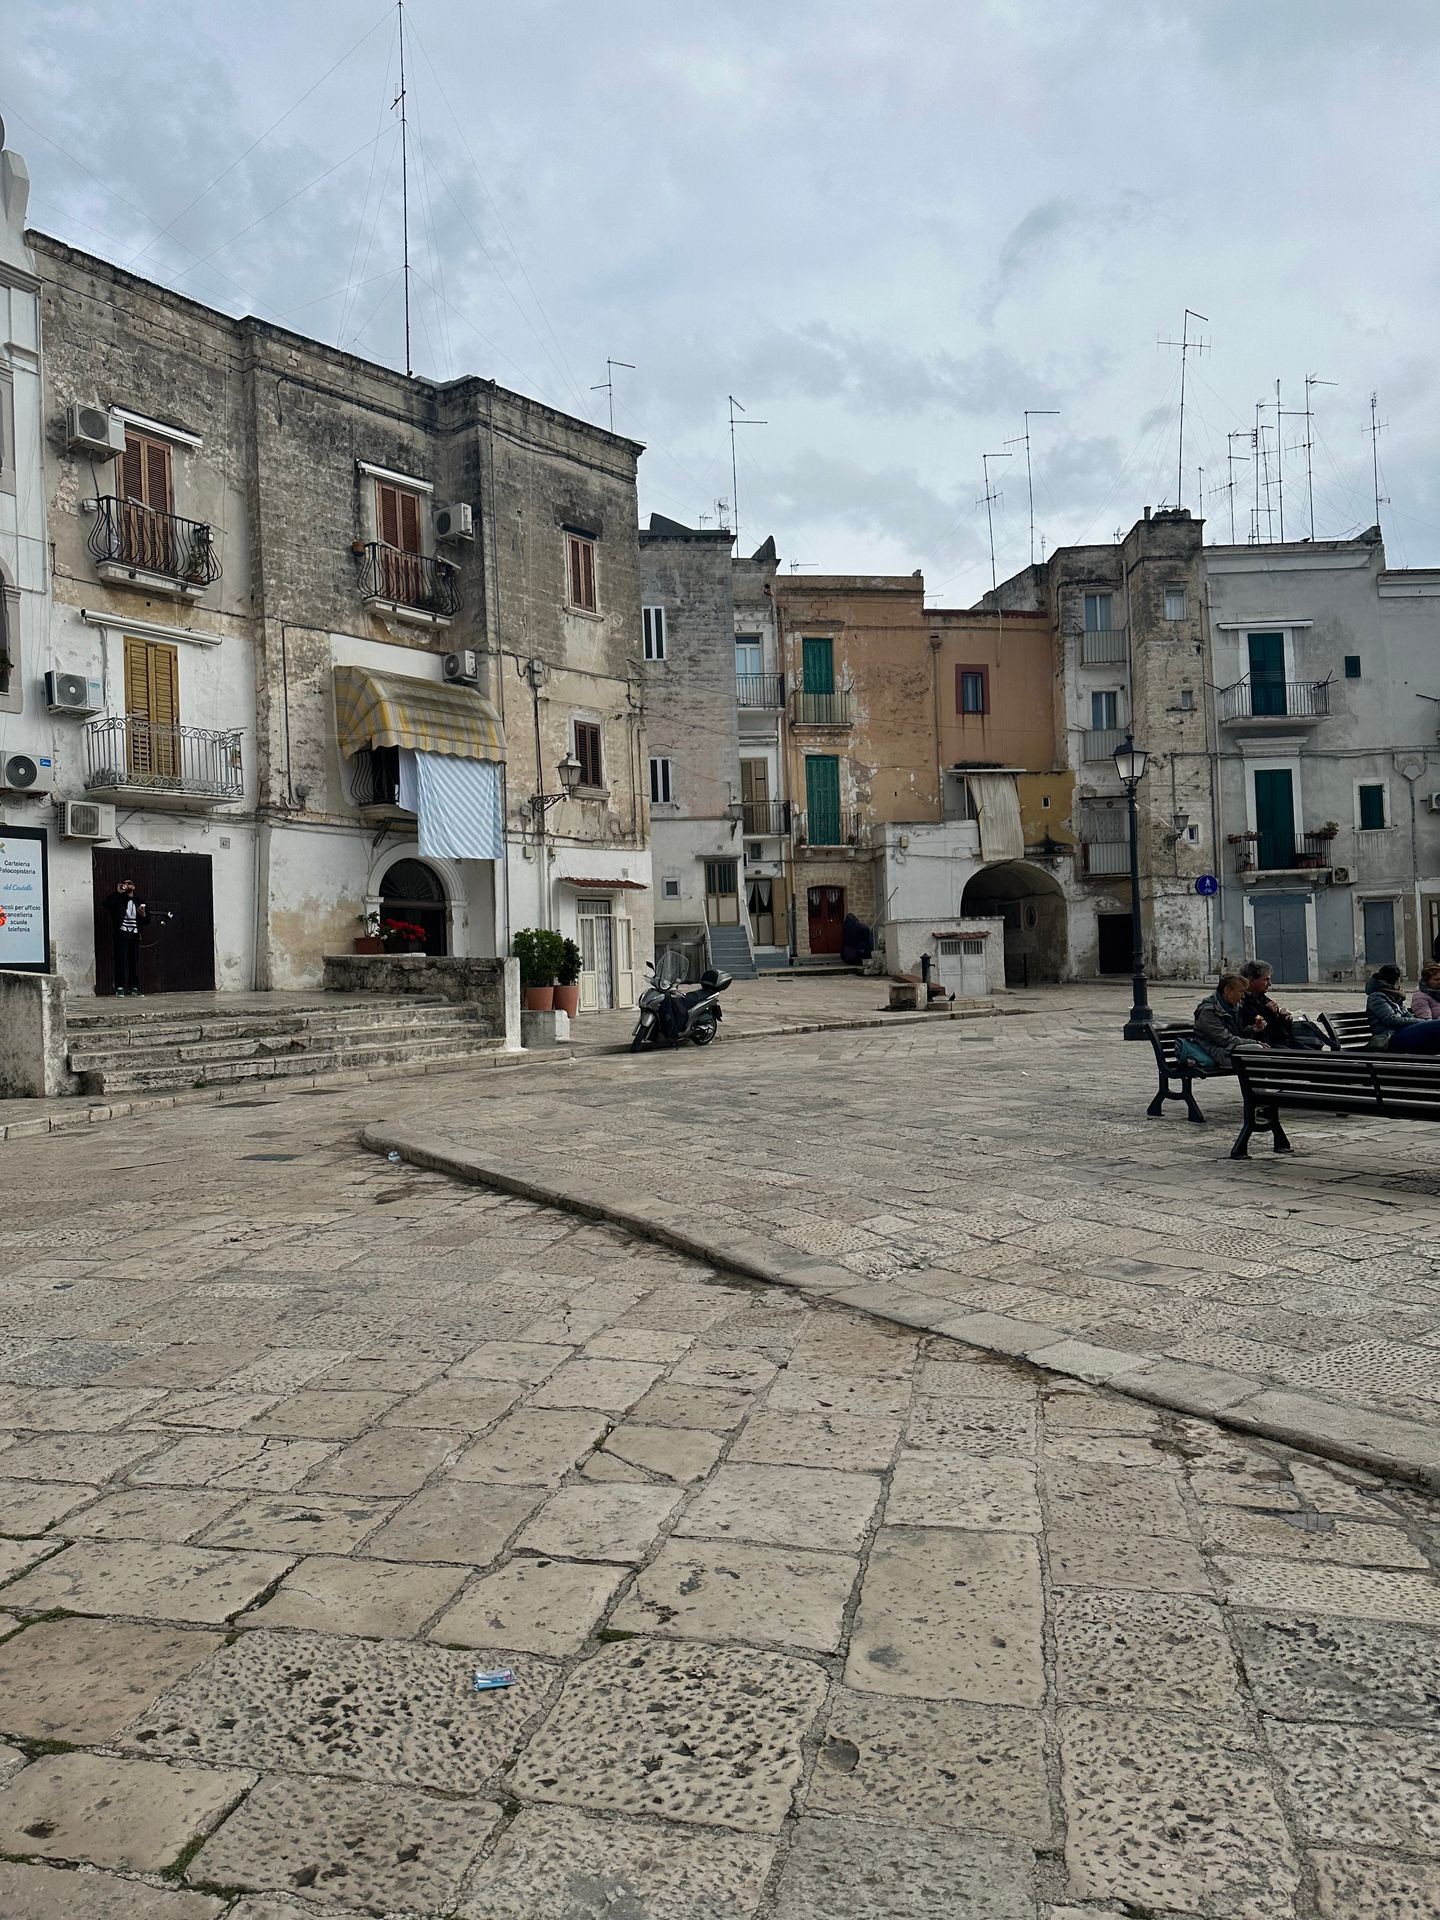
1377 427
1230 457
988 497
1200 496
734 471
1023 439
1311 380
404 183
1280 457
1187 346
607 385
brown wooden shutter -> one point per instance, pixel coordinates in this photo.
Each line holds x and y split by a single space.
132 476
137 680
410 523
573 550
587 551
387 513
158 492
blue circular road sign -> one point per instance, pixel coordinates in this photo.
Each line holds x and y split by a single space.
1207 884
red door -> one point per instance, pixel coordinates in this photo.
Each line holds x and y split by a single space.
827 918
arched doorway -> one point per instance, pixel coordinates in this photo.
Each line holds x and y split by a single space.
1029 903
412 891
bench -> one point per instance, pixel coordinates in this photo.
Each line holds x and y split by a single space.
1171 1068
1378 1084
1346 1032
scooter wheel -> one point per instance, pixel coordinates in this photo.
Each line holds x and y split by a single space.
703 1032
637 1043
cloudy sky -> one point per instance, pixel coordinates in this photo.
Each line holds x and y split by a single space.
887 230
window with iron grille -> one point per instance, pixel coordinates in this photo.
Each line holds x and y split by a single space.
654 619
587 752
660 782
580 572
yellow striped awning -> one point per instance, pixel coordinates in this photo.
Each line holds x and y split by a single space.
430 716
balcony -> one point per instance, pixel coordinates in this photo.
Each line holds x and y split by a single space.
1256 705
133 546
762 819
132 761
1103 647
822 709
833 830
763 692
415 587
1104 858
375 785
1275 855
1101 742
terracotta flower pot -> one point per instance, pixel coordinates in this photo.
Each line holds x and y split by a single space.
369 943
567 999
539 999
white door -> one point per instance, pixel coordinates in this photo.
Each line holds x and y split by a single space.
961 968
597 960
624 961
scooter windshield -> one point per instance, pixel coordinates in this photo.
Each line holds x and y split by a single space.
670 968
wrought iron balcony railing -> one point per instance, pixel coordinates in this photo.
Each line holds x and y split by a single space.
764 690
822 709
375 778
1101 742
765 816
124 753
1275 700
1282 852
417 580
841 829
128 534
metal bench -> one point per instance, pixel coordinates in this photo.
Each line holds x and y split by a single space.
1346 1032
1175 1074
1383 1086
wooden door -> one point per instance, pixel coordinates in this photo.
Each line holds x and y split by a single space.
817 665
1267 672
822 799
147 529
1280 937
760 903
397 516
827 918
152 707
722 893
1116 953
1378 917
1275 818
597 954
177 946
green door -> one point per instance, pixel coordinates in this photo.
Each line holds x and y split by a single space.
818 665
822 797
1275 819
1267 672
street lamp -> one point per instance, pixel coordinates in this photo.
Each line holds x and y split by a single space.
1130 765
569 771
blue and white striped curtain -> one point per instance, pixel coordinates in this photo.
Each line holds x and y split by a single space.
458 802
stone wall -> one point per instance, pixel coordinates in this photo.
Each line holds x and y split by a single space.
493 986
32 1037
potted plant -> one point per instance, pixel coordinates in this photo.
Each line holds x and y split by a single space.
539 952
567 980
1327 832
403 936
1241 839
370 941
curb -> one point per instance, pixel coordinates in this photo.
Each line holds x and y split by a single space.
1374 1442
850 1024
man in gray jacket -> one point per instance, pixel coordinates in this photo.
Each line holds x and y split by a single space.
1219 1027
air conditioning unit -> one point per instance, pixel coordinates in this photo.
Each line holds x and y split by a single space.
94 431
73 693
1339 876
20 774
86 820
463 668
1435 803
456 522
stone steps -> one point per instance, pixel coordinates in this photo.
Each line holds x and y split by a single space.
104 1051
145 1027
172 1076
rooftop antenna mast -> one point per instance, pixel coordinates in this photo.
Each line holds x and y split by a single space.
399 101
1280 456
1187 346
1032 413
734 473
1376 428
987 500
1311 380
1230 458
607 385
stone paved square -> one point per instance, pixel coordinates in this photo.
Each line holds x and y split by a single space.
455 1520
116 1813
86 1680
372 1597
771 1506
600 1523
986 1492
716 1590
532 1604
149 1581
866 1872
1117 1648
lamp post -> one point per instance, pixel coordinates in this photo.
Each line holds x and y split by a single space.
1130 765
540 804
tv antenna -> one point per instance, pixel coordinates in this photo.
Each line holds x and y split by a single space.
1308 415
795 565
399 101
987 500
1228 484
734 472
607 385
1187 346
1032 413
1376 428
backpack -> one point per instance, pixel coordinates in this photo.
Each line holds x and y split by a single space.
1189 1053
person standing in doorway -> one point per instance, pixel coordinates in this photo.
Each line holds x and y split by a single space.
127 916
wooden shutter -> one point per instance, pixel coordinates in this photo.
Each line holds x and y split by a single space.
818 665
159 495
822 799
152 704
754 782
409 523
587 752
587 552
387 513
132 468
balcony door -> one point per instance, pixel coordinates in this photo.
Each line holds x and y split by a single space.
822 799
755 795
147 528
1275 817
152 709
817 664
1267 672
401 568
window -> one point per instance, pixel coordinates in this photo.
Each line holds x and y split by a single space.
817 661
7 435
1187 699
587 752
1105 711
1352 666
580 571
660 787
1370 804
822 799
972 689
145 472
1174 603
754 853
747 653
1099 609
397 517
152 707
654 618
670 889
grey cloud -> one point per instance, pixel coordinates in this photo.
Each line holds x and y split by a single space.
821 362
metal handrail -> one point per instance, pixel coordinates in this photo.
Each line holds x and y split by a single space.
1101 742
821 709
127 533
1102 646
765 816
401 579
1107 856
375 777
766 690
1252 699
847 825
123 750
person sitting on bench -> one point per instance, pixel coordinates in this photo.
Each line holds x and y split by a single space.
1425 1001
1276 1027
1392 1025
1219 1026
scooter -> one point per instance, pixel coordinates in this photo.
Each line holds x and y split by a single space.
669 1015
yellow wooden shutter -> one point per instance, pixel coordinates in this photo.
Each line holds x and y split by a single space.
164 675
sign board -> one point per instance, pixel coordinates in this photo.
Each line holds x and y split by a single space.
1207 884
24 900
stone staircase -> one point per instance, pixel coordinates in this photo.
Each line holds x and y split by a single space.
730 952
123 1048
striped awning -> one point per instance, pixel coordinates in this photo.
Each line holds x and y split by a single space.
430 716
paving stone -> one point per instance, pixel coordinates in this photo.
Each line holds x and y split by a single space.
951 1375
377 1847
1104 1449
384 1711
1362 1786
147 1579
389 1461
1351 1885
315 1414
533 1448
1240 1490
667 1405
381 1372
938 1423
73 1409
863 1872
151 1513
843 1441
1098 1413
638 1343
1120 1649
933 1763
784 1506
116 1813
706 1735
1349 1543
1331 1491
30 1506
607 1386
189 1363
86 1680
314 1523
1293 1586
373 1597
17 1555
600 1522
455 1521
1134 1500
456 1405
681 1454
216 1410
985 1492
870 1397
730 1369
771 1596
555 1864
90 1458
531 1605
950 1616
1175 1812
242 1461
55 1893
1312 1668
525 1362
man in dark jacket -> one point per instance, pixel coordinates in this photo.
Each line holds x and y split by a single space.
1276 1027
1392 1025
1219 1026
127 916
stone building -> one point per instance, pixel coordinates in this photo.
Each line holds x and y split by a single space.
693 748
765 796
342 644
